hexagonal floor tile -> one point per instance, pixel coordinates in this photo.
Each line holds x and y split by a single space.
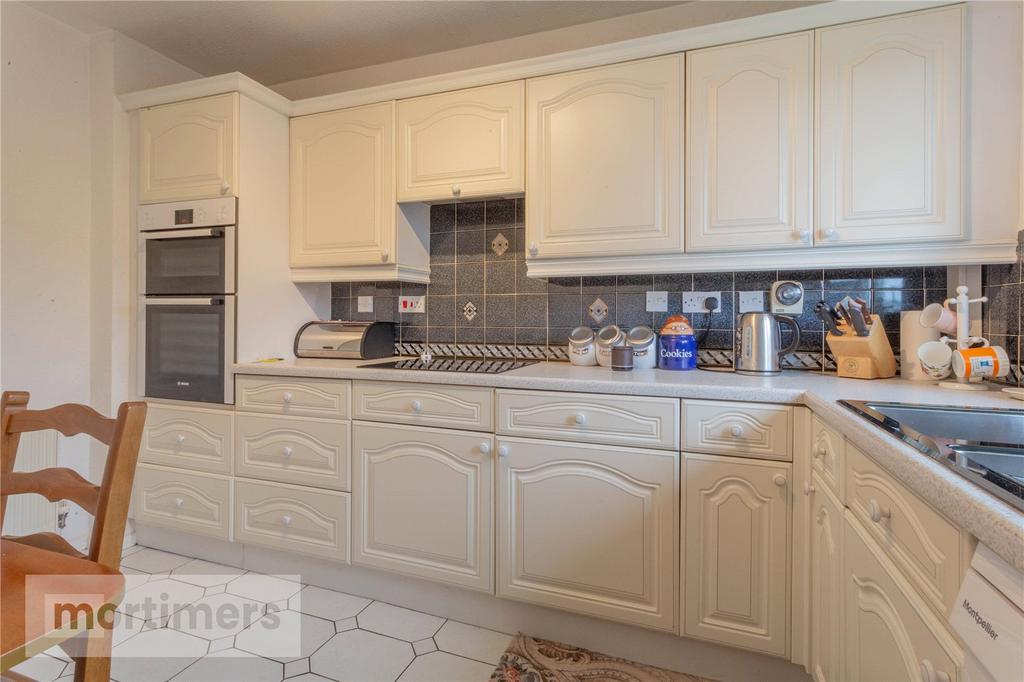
316 601
231 665
217 616
285 635
158 599
469 641
395 621
42 667
153 561
205 573
155 655
448 667
265 588
361 655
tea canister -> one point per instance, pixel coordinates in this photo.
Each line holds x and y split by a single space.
607 338
644 342
622 359
677 349
582 347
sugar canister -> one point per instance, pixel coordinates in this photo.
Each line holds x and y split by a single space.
582 346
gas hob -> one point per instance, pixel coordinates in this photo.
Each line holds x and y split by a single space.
443 364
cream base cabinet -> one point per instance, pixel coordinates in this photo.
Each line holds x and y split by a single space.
189 150
826 574
604 161
736 551
889 98
462 144
589 528
343 187
423 503
889 632
749 129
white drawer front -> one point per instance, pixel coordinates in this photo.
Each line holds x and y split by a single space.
194 439
195 503
325 398
456 407
827 456
293 450
750 430
622 420
292 518
924 545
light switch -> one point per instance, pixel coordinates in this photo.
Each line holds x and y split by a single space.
751 301
657 301
366 304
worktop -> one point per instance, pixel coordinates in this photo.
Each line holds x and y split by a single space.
993 522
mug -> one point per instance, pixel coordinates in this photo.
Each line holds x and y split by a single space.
940 317
986 362
936 359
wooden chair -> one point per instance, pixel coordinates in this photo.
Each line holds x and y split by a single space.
108 502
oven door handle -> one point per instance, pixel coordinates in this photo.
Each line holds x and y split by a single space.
181 300
191 233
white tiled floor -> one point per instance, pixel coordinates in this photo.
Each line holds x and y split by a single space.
340 636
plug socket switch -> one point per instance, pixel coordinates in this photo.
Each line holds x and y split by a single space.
695 301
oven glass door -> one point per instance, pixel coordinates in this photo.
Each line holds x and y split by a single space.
189 262
189 347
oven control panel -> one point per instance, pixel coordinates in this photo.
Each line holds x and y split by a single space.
179 214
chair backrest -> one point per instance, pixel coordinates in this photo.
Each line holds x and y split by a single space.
107 502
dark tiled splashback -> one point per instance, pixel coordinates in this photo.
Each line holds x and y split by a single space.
1001 316
481 300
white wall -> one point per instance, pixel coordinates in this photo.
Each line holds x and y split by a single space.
64 247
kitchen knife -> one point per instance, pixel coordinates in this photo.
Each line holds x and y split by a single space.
827 315
859 323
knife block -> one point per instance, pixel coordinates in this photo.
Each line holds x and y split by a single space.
863 357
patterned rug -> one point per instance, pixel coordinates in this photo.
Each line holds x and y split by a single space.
529 659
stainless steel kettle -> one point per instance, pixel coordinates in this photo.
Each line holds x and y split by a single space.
760 342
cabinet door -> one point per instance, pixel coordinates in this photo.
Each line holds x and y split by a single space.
736 551
343 187
423 503
604 158
189 150
889 129
462 144
889 633
589 528
826 580
748 171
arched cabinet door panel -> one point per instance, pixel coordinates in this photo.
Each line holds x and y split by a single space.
749 130
189 150
604 160
889 100
826 581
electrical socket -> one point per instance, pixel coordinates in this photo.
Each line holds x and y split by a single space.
657 301
693 301
412 304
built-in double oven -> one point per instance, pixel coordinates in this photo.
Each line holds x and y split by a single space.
187 300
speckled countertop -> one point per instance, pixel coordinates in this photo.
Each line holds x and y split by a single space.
991 520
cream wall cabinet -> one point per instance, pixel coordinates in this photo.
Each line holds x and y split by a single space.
889 633
190 502
189 150
188 437
453 407
423 503
604 161
826 578
589 528
462 144
889 103
736 558
748 144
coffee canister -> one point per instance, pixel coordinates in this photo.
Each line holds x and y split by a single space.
622 359
582 346
644 342
677 348
607 338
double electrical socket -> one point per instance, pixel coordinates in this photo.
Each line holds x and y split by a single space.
693 301
412 304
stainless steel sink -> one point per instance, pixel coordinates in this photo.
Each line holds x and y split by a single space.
984 445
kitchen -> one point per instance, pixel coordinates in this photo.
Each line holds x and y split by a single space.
642 341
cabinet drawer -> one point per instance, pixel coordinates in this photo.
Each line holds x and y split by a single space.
621 420
292 518
326 398
456 407
194 439
196 503
827 456
923 544
293 450
761 431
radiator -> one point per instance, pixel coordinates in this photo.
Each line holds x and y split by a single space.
32 513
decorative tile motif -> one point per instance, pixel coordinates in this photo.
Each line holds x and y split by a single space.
598 310
469 310
499 245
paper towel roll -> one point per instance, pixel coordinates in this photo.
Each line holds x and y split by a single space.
912 335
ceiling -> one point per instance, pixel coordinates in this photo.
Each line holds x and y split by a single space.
278 41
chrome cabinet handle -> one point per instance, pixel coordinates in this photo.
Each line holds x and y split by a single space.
877 513
779 480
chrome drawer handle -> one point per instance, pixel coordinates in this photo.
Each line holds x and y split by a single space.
286 520
877 513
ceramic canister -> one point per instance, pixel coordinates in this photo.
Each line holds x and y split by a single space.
582 347
607 338
645 347
677 348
